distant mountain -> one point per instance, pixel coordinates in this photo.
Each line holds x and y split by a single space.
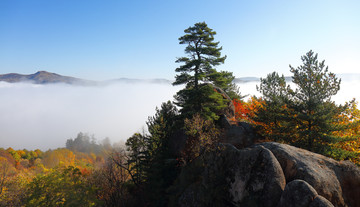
43 77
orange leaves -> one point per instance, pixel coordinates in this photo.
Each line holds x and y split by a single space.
241 109
245 111
85 171
349 121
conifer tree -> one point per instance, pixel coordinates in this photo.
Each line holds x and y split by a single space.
311 101
198 73
138 157
274 114
151 163
162 162
306 117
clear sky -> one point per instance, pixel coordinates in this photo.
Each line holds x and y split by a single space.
101 40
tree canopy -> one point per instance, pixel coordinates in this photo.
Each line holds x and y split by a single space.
305 116
203 55
311 100
198 73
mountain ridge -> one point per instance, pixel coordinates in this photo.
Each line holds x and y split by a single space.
41 77
45 77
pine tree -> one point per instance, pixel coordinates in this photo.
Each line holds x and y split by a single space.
198 73
138 157
224 80
311 102
162 168
306 117
274 114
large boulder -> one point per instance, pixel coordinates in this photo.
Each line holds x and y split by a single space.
258 175
297 193
320 201
230 177
338 182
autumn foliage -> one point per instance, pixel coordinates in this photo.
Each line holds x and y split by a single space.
348 122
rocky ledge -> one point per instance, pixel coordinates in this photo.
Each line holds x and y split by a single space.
267 174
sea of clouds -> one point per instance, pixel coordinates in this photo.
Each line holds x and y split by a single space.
45 116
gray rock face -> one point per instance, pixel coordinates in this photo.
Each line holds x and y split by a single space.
189 198
297 193
267 180
229 176
267 174
320 201
338 182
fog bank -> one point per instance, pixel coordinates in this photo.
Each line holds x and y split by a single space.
45 116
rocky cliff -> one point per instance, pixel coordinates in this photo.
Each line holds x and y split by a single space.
267 174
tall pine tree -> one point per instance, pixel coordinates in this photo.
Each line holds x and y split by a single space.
198 73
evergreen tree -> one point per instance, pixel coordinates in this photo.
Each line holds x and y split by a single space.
151 163
311 103
274 114
198 70
138 157
83 143
224 80
160 127
306 117
162 168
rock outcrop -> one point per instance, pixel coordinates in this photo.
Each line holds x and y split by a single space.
230 177
320 201
266 174
239 134
297 193
338 182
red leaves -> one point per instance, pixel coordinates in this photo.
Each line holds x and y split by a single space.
241 109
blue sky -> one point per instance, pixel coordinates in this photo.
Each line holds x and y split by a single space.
101 40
